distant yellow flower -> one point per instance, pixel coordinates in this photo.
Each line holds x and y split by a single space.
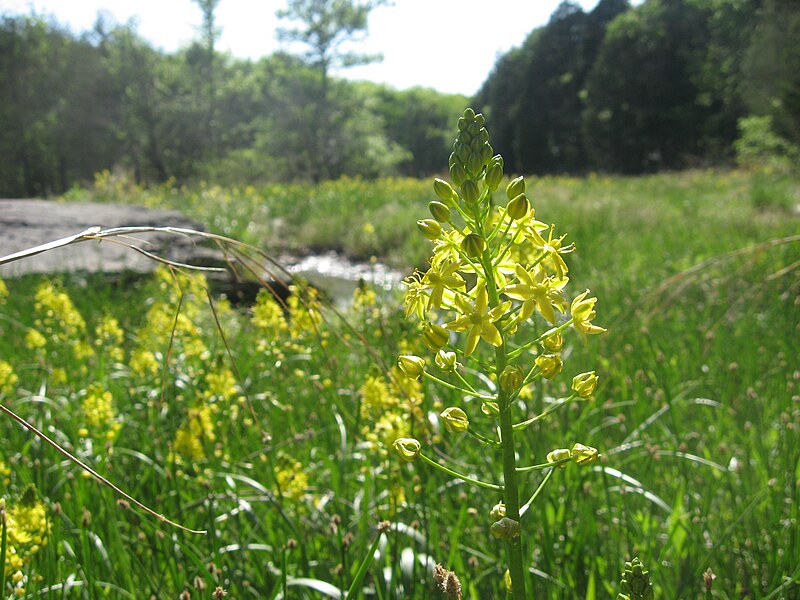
268 314
193 435
8 380
27 530
3 291
35 340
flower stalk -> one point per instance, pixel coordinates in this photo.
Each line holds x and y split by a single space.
490 277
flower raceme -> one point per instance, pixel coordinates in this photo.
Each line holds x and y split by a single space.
496 276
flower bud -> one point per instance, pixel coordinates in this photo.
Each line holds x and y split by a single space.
407 448
455 420
430 228
439 211
584 455
411 366
463 152
483 135
435 336
462 123
479 119
486 152
498 511
559 454
505 529
445 191
518 207
451 160
584 384
469 115
475 164
553 342
515 187
497 160
470 191
458 174
494 174
511 379
549 365
446 361
473 245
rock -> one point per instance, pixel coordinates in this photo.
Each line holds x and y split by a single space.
28 223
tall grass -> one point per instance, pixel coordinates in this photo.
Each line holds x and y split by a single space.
697 413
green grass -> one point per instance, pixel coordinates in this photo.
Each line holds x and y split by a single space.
697 414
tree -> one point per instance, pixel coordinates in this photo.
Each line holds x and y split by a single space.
326 28
210 33
772 68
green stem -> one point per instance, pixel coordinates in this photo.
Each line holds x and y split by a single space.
450 386
521 349
547 411
543 466
461 476
516 565
483 438
532 499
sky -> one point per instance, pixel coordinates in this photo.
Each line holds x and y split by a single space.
448 45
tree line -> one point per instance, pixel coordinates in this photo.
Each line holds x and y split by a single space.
662 85
620 88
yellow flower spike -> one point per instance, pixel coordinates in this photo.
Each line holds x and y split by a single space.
582 310
455 420
435 336
558 455
584 455
438 279
549 365
584 384
478 320
446 361
411 366
407 448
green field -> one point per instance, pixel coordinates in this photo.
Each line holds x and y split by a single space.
269 429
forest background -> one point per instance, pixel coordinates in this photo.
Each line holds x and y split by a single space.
662 85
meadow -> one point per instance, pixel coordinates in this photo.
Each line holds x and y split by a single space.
271 427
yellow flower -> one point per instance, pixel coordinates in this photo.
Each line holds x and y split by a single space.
193 434
268 314
27 530
221 384
375 397
35 340
537 291
440 278
582 310
478 320
415 299
8 380
3 291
